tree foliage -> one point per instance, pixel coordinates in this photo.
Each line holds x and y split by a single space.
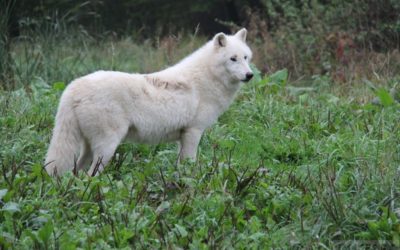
375 21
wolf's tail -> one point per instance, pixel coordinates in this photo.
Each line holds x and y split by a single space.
64 145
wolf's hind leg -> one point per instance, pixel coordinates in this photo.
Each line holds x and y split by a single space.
85 156
103 149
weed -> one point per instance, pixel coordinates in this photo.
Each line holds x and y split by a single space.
285 167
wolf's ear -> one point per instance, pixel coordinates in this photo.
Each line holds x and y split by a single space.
219 40
241 34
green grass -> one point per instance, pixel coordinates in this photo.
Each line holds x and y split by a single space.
285 167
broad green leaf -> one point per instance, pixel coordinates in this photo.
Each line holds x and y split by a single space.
363 235
250 206
227 143
32 235
163 207
3 192
182 231
46 231
279 77
59 86
373 228
385 97
257 236
126 234
264 81
11 207
6 240
37 170
257 74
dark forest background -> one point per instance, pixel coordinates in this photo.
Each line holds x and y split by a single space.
377 22
307 37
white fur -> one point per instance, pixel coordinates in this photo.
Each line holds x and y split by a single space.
99 110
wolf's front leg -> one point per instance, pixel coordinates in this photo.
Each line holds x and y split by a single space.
189 142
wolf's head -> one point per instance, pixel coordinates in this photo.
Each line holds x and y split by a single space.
231 57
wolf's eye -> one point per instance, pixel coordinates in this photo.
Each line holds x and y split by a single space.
233 59
245 57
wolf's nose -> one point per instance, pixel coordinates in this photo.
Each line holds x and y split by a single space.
249 75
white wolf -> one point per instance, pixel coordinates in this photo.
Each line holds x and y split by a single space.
99 110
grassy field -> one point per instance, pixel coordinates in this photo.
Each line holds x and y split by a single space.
285 167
